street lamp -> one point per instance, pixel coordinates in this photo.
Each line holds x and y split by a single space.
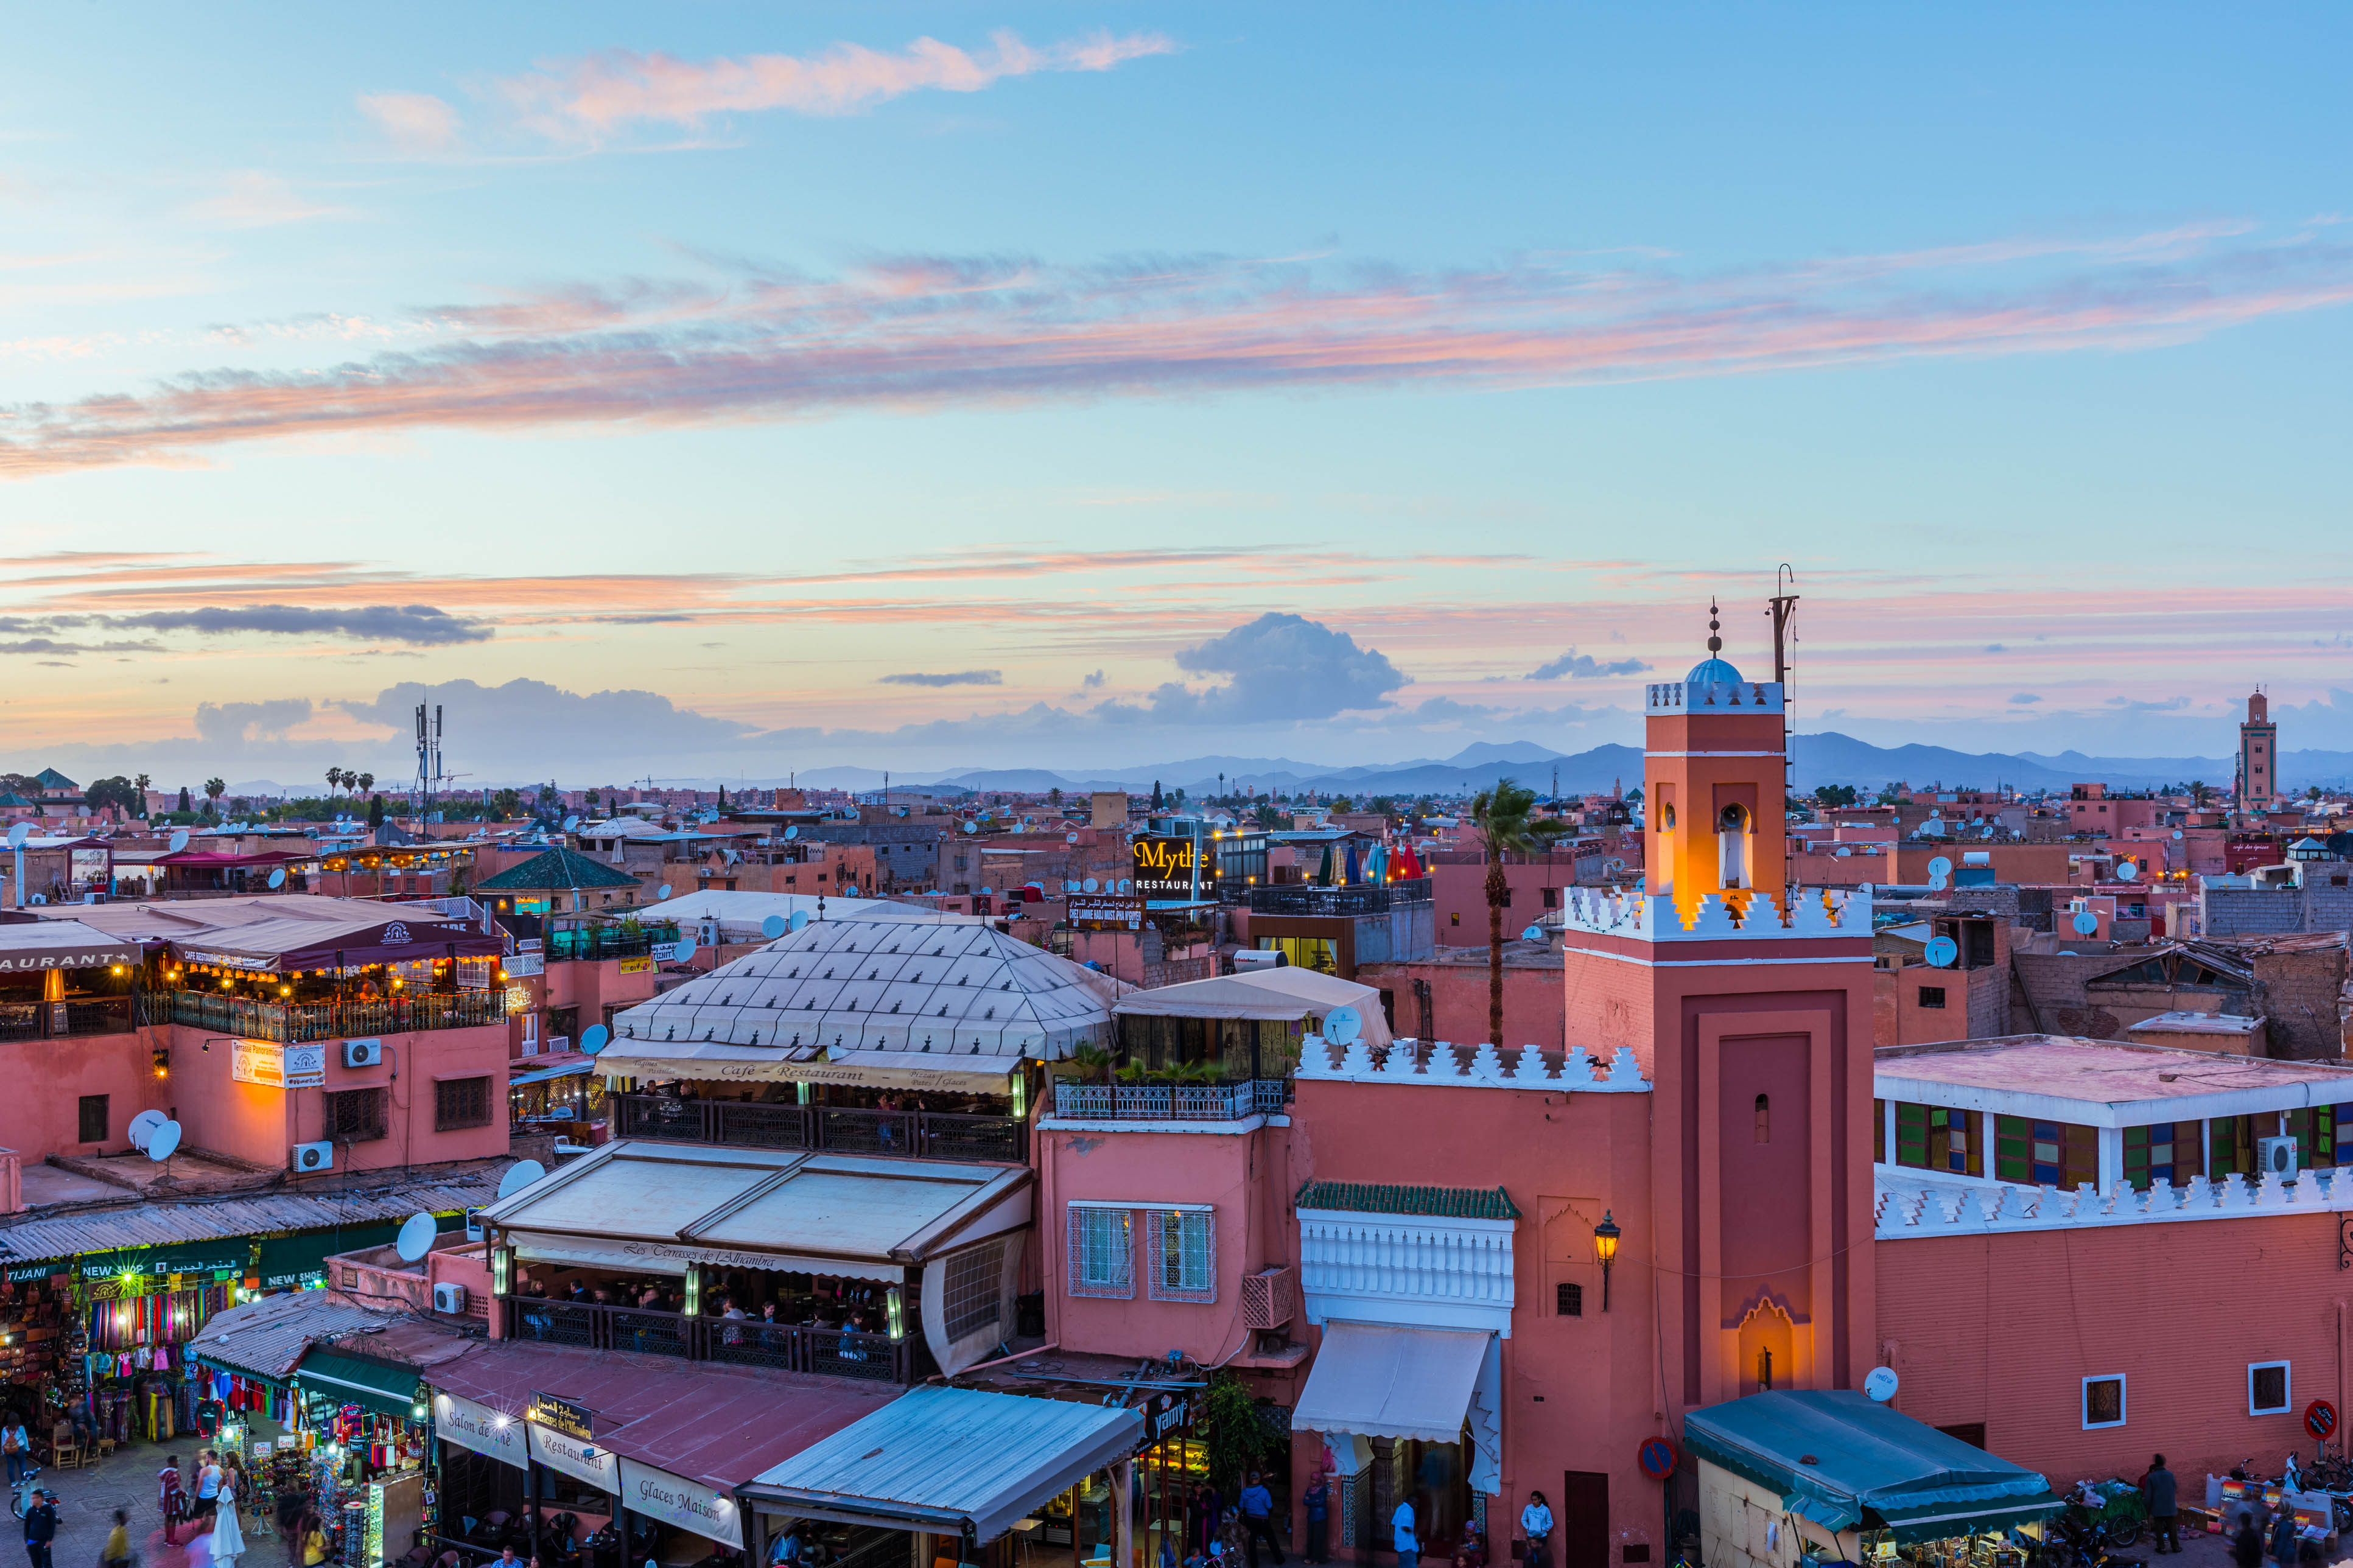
1605 1251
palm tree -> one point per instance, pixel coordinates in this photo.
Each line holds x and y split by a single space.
366 782
1499 819
334 780
213 790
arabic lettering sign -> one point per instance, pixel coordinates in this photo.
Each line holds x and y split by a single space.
1107 912
268 1065
560 1415
636 965
658 1494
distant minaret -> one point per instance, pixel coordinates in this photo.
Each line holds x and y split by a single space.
2258 753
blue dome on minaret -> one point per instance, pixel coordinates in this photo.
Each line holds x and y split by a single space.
1713 670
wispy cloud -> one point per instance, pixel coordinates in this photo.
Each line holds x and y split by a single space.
418 624
597 98
253 198
1576 665
954 677
917 333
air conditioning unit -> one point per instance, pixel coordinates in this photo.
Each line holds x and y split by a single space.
449 1296
1269 1299
319 1156
706 933
2275 1155
363 1053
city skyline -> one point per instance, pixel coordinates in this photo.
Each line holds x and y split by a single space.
941 387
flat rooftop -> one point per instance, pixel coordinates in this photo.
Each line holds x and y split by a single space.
2067 1077
2224 1025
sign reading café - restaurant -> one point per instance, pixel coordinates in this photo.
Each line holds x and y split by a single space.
268 1065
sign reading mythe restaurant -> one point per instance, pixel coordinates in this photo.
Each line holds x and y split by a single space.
559 1416
1163 866
272 1066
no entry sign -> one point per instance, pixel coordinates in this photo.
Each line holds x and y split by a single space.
2320 1419
1658 1458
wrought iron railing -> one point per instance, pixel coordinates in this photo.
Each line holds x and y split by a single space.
294 1023
1170 1101
841 1129
1369 898
61 1020
744 1341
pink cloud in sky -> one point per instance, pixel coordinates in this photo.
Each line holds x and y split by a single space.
593 97
931 333
416 123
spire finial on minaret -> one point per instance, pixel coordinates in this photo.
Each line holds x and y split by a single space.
1715 642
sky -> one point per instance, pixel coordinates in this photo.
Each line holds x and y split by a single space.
727 391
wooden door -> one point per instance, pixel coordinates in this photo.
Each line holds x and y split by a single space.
1582 1519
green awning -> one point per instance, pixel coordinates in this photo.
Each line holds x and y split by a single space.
347 1380
1840 1460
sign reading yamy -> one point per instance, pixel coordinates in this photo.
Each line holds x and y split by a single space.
560 1415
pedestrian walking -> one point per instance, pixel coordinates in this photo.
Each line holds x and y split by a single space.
1257 1520
171 1496
40 1526
1535 1523
2247 1546
208 1484
2163 1495
1402 1536
15 1447
1318 1502
117 1552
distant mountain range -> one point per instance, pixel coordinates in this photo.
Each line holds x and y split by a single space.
1829 758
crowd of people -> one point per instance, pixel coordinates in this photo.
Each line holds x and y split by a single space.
821 1301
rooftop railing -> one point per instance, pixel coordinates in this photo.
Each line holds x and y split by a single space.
1369 898
1170 1101
744 1341
831 1128
296 1023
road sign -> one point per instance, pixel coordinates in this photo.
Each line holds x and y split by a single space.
1657 1458
2320 1419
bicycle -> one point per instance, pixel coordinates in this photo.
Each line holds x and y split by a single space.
23 1489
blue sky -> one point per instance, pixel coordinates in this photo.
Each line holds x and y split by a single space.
766 359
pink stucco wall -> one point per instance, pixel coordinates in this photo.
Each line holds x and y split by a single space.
40 1114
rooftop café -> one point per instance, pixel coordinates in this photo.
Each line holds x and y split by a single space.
886 1036
840 1265
61 978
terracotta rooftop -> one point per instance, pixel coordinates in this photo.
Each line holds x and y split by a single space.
2110 1072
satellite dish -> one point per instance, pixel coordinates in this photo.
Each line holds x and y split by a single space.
1069 838
1534 933
415 1239
162 1141
1342 1025
2127 870
773 927
1940 867
570 823
1938 883
179 840
277 877
685 949
520 1174
595 1038
1088 886
2086 923
972 827
1879 1384
21 831
1125 886
793 831
2177 833
143 1125
800 919
661 894
1942 951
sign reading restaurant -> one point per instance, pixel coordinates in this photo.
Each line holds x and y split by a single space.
1163 866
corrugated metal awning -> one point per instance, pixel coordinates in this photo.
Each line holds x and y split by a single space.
948 1459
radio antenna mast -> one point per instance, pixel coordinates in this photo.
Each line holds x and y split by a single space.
1784 612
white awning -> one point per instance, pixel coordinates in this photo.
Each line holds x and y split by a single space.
1288 992
1379 1380
947 1458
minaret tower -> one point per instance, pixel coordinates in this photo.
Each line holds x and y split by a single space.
1750 1012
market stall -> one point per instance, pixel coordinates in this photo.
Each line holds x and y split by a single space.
1828 1473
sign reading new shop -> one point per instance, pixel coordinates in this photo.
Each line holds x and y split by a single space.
1163 866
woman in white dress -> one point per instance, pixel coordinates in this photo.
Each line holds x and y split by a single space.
227 1539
